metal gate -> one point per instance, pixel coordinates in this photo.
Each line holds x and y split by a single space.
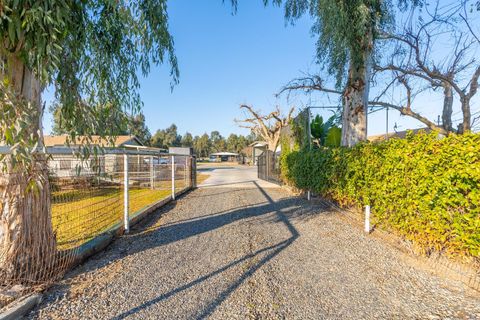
269 167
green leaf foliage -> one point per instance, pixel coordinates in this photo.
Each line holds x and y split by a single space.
333 137
317 128
425 188
91 51
326 133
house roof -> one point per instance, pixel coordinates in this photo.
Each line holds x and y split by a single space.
399 134
120 141
224 154
257 144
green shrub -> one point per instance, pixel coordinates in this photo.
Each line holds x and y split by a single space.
425 188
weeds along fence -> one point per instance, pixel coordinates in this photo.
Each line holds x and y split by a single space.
88 203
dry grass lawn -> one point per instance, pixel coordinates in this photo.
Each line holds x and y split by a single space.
201 177
80 215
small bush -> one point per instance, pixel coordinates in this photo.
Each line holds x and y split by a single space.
425 188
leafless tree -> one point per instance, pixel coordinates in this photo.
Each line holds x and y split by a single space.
413 61
267 126
411 66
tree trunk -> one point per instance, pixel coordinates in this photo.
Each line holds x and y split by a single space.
355 104
447 107
27 240
465 127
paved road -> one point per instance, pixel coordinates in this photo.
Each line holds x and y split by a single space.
227 176
251 251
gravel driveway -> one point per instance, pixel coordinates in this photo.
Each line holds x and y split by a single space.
249 250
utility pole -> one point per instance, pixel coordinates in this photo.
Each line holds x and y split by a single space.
386 131
309 130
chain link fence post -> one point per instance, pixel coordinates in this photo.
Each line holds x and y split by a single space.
152 174
173 177
126 221
194 171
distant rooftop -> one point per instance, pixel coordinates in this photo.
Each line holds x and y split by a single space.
399 134
120 141
258 144
224 154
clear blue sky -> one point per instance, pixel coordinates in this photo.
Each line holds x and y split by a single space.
226 60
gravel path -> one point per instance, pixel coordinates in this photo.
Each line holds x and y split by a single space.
246 251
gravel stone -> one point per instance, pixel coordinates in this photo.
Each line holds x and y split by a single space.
249 250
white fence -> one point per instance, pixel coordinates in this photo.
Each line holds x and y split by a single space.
94 200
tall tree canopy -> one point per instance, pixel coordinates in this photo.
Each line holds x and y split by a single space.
136 127
187 140
165 138
202 145
91 52
347 30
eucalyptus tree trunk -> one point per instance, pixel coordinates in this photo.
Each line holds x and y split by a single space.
447 107
355 103
27 240
467 115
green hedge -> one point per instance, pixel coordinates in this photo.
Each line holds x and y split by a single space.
425 188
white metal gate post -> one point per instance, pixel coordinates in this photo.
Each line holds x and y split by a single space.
367 219
173 177
152 174
126 221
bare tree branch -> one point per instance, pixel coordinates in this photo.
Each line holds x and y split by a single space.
307 84
408 112
261 124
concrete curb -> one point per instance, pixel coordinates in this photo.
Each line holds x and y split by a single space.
20 308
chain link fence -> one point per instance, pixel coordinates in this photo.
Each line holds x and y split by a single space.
87 204
268 166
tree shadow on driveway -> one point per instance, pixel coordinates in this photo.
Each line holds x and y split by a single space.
175 233
150 234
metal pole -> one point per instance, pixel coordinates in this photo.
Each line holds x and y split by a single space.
267 158
386 131
194 172
309 133
173 177
185 172
367 219
152 174
126 221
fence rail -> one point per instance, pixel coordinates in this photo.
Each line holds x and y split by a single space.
90 202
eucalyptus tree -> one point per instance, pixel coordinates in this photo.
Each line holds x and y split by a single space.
347 31
187 140
91 52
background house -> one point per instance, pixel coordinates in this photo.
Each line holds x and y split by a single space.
398 134
225 157
70 165
257 149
